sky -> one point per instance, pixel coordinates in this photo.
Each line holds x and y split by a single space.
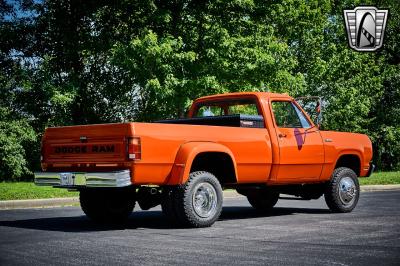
18 12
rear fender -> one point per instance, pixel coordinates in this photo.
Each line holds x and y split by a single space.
186 155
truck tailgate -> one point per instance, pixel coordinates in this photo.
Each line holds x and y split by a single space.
86 144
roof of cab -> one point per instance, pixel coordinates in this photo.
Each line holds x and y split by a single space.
236 94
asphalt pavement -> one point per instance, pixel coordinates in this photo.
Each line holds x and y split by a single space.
294 233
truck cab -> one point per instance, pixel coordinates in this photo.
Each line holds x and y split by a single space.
297 149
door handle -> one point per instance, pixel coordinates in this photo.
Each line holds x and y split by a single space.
282 135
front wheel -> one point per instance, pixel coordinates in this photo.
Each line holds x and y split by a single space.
343 191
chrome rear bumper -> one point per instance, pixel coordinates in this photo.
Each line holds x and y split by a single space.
79 179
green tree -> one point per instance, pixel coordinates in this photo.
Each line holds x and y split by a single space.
15 136
69 62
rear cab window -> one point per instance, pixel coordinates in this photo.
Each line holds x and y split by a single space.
227 107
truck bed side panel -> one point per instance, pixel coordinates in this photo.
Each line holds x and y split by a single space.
161 142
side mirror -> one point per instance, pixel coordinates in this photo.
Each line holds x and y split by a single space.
312 105
318 111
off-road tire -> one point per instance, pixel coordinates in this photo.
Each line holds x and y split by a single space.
180 201
263 200
103 205
333 198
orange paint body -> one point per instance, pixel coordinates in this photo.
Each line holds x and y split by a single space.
269 155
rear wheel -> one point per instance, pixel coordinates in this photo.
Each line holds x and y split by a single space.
343 191
108 205
263 200
198 203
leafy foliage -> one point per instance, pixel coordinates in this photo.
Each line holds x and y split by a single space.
68 62
14 137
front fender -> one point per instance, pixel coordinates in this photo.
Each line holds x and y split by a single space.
186 155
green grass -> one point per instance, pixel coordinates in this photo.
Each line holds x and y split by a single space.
381 178
28 190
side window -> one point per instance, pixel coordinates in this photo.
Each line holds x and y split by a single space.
286 115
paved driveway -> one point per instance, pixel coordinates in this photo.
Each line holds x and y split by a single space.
296 232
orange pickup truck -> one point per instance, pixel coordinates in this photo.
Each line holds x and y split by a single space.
261 144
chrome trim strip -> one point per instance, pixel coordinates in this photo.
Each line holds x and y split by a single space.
47 179
101 179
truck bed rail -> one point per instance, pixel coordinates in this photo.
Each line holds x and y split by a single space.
237 120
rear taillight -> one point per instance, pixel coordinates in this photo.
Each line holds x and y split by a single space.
134 149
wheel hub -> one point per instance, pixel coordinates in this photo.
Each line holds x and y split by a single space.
347 190
204 200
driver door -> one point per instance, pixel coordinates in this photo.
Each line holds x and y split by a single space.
301 150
